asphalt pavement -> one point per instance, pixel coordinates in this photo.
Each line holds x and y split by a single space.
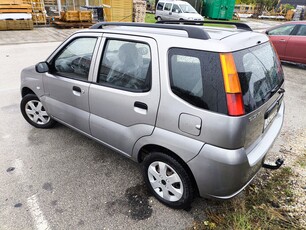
59 179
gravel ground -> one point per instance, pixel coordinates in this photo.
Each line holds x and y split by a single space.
291 143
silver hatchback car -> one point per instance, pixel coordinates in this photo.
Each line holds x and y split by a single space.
199 107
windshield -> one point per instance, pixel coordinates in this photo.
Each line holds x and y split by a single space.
186 8
260 75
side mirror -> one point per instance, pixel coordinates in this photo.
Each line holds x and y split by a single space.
267 32
42 67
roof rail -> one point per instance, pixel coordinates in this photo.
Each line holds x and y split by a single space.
193 32
238 25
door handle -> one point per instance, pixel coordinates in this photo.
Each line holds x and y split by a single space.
141 105
77 91
282 40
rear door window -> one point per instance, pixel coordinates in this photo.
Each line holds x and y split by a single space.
260 75
126 65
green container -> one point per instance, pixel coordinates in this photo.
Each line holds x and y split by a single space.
218 9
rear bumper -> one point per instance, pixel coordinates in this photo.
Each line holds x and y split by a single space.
223 173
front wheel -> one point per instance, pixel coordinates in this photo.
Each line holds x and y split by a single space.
168 181
34 112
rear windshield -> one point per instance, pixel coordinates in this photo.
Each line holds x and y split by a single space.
260 75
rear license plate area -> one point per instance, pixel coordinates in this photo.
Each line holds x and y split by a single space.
270 118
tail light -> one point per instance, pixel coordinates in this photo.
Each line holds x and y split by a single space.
232 86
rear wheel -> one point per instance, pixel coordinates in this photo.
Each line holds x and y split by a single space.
34 112
168 181
159 19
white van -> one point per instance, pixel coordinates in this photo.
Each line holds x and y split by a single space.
176 10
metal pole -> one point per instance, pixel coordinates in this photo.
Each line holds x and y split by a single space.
86 3
59 6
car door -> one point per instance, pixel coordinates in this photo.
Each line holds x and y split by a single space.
167 14
176 12
296 46
279 37
67 83
125 96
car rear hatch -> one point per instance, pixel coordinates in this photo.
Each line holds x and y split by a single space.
261 80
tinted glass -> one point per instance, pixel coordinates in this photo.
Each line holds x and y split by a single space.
260 75
75 59
186 8
168 6
301 31
126 65
160 6
196 77
176 9
283 30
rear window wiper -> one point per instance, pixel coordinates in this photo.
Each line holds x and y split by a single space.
281 90
274 89
277 89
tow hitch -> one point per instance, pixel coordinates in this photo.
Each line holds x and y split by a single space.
278 163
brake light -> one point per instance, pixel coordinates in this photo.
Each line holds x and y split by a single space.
232 86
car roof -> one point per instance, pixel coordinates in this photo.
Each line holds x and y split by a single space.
216 38
213 32
194 29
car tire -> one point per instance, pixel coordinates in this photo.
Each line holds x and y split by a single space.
34 112
168 180
159 19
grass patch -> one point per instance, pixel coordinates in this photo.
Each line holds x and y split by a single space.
150 18
302 160
259 207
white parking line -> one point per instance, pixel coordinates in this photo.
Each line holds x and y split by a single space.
37 214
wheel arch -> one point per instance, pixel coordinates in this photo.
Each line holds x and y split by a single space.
147 149
25 91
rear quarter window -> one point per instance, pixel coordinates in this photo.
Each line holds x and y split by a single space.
196 77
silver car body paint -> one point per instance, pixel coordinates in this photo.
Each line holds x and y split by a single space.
223 152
